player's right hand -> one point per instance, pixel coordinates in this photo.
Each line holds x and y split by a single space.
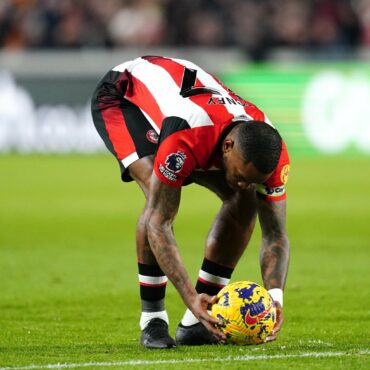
278 324
200 311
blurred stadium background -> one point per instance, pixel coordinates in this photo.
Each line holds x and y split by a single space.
306 63
68 287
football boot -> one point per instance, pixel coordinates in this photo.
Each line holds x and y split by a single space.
194 335
155 335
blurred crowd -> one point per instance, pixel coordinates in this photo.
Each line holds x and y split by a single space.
254 25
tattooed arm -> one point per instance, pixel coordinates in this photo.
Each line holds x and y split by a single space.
274 255
163 205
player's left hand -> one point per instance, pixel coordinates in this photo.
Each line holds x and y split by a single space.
278 324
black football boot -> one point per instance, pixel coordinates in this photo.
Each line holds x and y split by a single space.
155 335
194 335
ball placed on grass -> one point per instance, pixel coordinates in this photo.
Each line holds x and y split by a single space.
247 311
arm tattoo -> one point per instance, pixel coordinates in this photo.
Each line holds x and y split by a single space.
274 256
162 209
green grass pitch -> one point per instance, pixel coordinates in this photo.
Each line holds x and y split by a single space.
68 276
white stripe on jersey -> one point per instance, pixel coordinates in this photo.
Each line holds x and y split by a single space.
123 66
208 81
152 280
167 94
213 278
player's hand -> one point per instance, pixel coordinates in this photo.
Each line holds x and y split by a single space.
199 309
278 324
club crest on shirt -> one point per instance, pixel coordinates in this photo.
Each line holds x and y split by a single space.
173 164
152 136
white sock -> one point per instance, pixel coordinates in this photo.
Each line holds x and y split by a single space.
147 316
189 319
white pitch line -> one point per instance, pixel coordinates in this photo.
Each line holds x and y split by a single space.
217 359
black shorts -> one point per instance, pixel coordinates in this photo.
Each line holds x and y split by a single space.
123 127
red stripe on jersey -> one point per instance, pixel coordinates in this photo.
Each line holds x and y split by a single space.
119 136
153 285
217 112
254 112
143 98
210 283
174 69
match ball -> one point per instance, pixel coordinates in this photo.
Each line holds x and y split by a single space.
247 311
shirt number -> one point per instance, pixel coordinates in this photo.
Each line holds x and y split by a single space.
187 85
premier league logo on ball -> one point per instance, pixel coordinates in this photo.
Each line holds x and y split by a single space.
175 161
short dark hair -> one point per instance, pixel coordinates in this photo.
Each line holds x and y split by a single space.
260 144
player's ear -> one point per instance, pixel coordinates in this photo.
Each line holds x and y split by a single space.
227 145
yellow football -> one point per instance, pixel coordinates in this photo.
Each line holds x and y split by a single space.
247 311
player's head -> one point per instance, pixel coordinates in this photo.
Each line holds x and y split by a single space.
251 152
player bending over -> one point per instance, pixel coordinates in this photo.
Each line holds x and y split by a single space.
169 123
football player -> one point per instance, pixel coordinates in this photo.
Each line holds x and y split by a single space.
169 123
